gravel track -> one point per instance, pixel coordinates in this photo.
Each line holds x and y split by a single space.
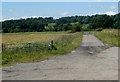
93 60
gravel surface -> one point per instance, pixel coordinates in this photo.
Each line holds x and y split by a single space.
90 40
93 60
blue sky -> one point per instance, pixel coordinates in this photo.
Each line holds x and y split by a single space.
59 0
56 9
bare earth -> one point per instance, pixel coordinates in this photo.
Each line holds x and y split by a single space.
93 60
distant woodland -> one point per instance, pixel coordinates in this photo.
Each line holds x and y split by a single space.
73 24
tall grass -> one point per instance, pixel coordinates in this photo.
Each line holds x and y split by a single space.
109 36
63 45
11 38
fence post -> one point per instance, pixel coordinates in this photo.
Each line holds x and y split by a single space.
3 46
29 44
51 43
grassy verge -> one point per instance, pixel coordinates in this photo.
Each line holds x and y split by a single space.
109 36
64 45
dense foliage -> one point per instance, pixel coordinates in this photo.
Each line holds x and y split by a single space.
73 23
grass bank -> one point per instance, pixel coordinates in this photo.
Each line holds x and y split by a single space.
109 36
64 44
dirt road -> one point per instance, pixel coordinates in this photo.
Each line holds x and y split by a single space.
91 61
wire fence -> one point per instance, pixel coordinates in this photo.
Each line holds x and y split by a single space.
30 45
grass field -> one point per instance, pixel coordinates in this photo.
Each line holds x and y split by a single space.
109 36
8 38
63 41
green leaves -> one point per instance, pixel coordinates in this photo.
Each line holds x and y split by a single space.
62 24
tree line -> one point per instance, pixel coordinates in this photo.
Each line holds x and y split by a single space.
73 24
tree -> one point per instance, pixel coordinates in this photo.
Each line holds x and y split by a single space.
76 27
108 23
50 27
66 27
62 24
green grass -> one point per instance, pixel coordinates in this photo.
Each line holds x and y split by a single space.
64 45
109 36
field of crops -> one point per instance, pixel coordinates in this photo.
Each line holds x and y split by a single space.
32 37
109 36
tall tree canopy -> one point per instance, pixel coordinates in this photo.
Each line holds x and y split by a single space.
73 23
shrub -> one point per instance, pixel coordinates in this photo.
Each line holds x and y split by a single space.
99 29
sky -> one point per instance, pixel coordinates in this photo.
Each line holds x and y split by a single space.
16 10
59 0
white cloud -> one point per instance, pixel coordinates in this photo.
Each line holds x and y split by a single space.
10 19
25 17
109 7
64 14
110 13
107 13
57 17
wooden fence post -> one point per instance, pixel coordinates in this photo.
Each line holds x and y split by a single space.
29 44
51 43
3 46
